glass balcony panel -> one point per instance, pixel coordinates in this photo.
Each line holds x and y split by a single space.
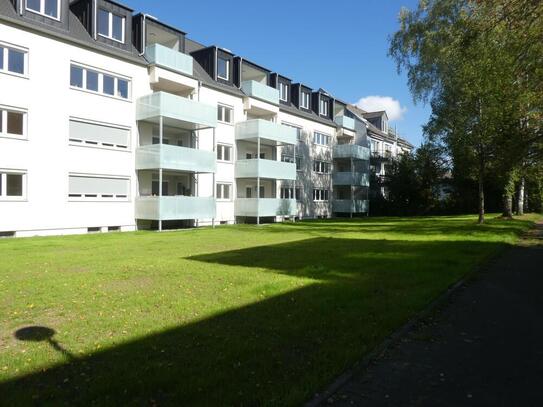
352 178
351 151
265 169
270 132
265 207
175 208
350 206
345 122
168 58
260 91
177 111
175 158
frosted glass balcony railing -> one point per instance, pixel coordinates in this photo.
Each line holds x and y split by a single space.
175 158
345 122
265 169
178 111
352 178
168 58
175 208
260 91
265 207
266 130
350 206
351 151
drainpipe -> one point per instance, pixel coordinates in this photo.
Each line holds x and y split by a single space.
143 35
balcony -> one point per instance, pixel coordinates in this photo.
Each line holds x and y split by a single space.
174 208
262 207
175 158
351 178
350 206
345 122
176 111
268 132
260 91
269 169
351 151
168 58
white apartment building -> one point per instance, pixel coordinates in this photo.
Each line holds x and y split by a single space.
111 121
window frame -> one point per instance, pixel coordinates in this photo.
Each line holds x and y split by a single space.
222 185
5 68
222 147
101 74
321 195
109 36
4 172
283 86
227 60
322 136
304 93
221 117
42 9
323 107
4 110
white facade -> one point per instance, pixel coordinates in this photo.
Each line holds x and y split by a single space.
167 149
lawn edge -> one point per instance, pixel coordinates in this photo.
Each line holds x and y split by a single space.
433 307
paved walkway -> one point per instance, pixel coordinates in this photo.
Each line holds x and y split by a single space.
484 347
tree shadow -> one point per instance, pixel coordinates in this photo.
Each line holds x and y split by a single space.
278 351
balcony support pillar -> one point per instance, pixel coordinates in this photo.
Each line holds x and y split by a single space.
214 177
258 182
161 137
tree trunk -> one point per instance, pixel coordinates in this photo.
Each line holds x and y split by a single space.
481 195
507 196
520 198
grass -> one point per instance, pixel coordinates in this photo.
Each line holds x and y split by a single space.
234 316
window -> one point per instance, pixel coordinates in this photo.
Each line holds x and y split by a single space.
224 191
12 185
88 187
12 123
224 152
321 139
321 195
111 25
298 192
299 130
92 134
323 109
99 82
225 114
321 167
283 91
287 193
298 163
304 103
13 60
223 68
49 8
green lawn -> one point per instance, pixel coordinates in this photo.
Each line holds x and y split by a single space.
238 315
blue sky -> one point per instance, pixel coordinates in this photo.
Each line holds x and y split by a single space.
340 46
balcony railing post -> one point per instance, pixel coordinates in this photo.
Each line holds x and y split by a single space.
161 136
214 178
258 181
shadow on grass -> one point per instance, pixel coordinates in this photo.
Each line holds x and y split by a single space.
278 351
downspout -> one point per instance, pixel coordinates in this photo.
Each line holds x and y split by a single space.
94 24
143 35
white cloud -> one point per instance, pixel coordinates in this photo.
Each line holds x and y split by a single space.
394 109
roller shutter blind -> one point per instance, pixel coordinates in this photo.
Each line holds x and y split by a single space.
98 134
98 187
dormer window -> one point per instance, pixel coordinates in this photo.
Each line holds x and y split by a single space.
323 107
283 91
223 68
304 103
48 8
111 26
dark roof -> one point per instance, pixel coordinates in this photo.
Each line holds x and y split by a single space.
191 46
75 33
157 21
371 115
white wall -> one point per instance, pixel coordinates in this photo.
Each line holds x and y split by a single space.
47 155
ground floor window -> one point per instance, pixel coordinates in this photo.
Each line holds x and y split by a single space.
12 185
321 195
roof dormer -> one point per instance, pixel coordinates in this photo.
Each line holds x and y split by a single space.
284 86
50 12
106 21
